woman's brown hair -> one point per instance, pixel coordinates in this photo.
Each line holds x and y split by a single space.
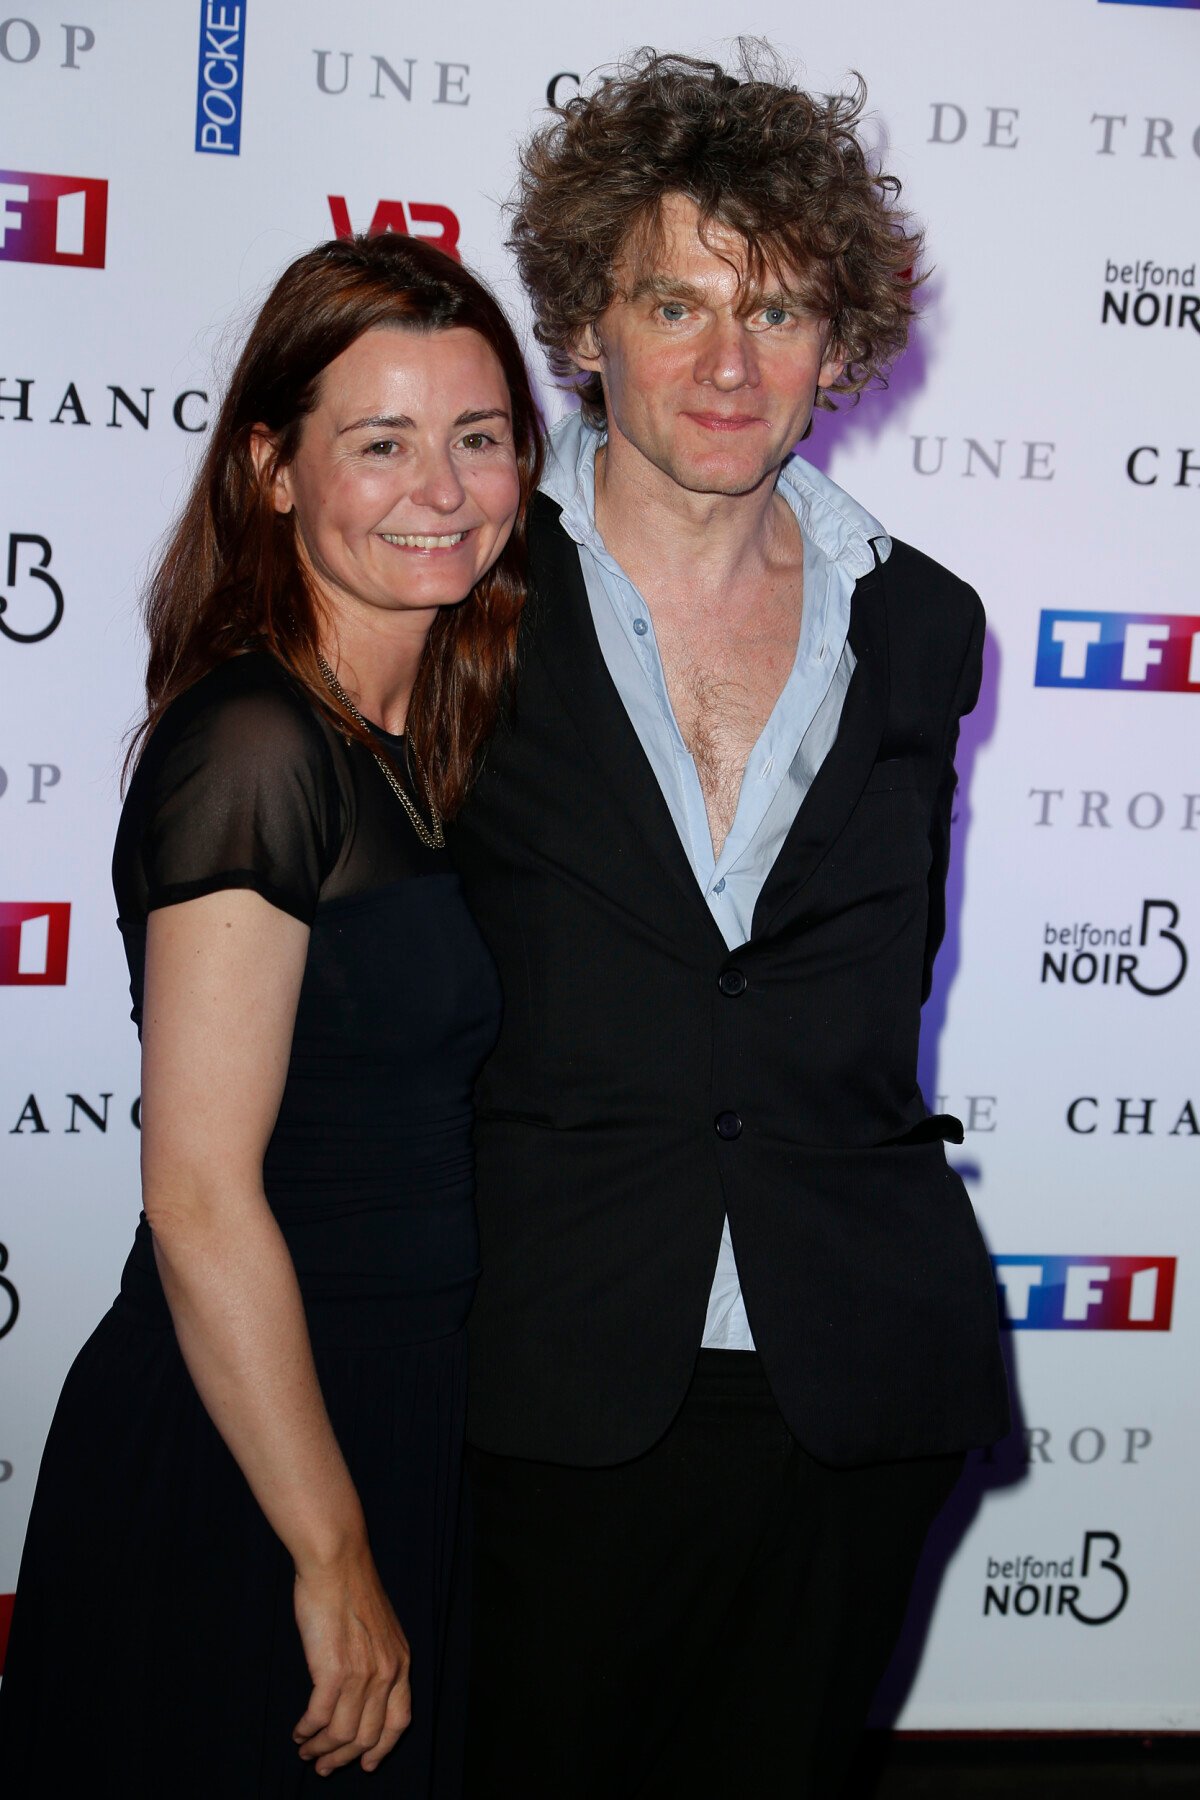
784 169
230 576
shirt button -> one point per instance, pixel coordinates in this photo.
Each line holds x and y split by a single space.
728 1125
719 886
641 627
732 983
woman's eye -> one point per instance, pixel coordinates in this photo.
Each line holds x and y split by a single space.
477 440
381 447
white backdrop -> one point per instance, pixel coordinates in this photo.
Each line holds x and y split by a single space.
1054 153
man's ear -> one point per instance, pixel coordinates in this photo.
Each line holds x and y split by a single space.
277 480
587 349
833 361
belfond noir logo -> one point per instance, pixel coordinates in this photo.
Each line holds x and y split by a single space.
1148 956
1091 1586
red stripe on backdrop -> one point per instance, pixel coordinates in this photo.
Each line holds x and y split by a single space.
6 1606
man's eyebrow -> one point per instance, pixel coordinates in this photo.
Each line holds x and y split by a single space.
751 297
661 287
402 422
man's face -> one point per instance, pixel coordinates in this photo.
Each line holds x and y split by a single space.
708 379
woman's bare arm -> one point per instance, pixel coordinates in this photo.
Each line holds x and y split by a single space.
223 976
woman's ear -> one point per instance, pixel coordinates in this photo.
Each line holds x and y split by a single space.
263 451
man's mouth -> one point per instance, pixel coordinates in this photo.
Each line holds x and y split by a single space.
723 421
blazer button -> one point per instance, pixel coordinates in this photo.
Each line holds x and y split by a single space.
732 983
728 1125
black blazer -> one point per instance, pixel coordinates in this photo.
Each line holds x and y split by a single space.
630 1031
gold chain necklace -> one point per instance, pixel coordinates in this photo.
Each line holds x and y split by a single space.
434 839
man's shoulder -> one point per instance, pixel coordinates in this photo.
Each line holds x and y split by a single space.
923 595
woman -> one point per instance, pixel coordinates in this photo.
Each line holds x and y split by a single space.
247 1505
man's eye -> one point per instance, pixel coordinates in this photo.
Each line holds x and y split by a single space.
776 315
673 311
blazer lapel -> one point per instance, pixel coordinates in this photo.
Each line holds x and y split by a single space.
842 776
562 635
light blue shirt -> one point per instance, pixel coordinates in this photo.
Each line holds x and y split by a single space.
838 535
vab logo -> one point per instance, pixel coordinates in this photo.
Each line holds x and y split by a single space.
1029 1587
33 942
401 216
39 627
52 219
10 1303
1086 1293
1139 653
1103 954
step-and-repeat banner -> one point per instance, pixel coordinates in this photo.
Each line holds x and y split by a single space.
1041 437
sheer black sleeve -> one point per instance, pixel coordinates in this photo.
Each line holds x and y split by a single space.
238 791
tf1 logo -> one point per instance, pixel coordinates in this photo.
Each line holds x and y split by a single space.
53 219
401 216
1086 1293
1156 653
33 942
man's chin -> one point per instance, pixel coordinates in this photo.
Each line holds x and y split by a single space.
729 482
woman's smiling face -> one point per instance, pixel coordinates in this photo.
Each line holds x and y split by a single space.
404 486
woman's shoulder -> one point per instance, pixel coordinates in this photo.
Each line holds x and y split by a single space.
247 710
236 787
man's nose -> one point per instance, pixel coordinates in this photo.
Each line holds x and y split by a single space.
728 357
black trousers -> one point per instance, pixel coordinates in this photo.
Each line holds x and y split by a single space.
711 1618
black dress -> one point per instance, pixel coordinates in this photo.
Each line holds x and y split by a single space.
154 1650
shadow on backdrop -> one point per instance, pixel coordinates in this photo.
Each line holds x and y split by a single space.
881 409
1005 1465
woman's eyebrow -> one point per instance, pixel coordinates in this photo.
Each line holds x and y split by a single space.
385 421
402 422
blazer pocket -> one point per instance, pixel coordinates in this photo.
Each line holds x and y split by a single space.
892 775
938 1128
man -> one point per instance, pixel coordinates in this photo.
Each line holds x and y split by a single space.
736 1324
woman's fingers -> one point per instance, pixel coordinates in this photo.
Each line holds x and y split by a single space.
358 1658
365 1724
397 1717
319 1711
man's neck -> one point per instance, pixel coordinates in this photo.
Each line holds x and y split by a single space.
710 549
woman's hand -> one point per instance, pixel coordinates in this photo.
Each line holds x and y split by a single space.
358 1658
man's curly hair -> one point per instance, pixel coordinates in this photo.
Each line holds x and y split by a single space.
782 168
